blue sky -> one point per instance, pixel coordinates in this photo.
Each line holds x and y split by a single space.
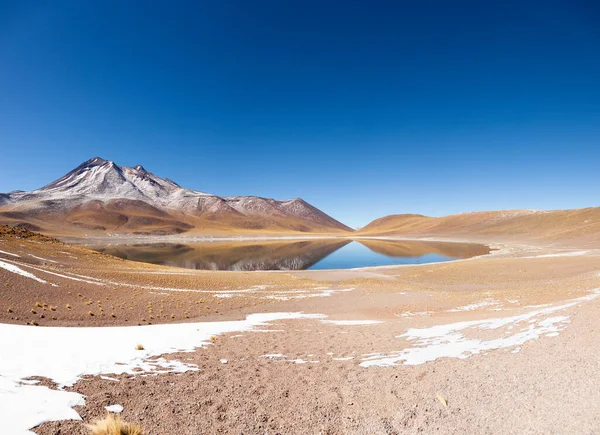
363 109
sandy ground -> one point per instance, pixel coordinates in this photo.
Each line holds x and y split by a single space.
322 382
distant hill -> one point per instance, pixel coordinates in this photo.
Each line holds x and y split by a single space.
101 197
556 225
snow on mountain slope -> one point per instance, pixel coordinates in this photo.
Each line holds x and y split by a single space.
100 189
98 178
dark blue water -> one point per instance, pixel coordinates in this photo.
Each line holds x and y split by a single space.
356 255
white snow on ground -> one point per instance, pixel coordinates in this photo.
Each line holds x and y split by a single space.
273 355
286 295
25 406
114 408
65 354
43 259
108 378
561 254
449 340
9 253
255 290
15 269
411 314
54 273
352 322
475 306
300 361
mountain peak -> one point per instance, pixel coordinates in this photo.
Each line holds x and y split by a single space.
94 161
105 182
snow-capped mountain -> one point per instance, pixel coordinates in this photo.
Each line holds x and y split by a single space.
101 195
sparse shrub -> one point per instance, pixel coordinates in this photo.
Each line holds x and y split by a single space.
139 347
68 306
33 311
90 313
37 304
52 308
113 315
113 425
10 310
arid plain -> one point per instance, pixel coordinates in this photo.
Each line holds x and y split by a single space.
498 343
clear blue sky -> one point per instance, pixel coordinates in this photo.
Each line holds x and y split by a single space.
361 108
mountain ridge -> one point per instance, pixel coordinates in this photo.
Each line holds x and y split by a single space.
99 195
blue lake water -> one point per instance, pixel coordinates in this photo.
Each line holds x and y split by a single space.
316 254
355 255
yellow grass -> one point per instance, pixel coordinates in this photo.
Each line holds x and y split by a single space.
442 400
113 425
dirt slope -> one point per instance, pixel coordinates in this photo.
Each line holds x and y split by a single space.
581 225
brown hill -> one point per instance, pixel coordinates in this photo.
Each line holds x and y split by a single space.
581 225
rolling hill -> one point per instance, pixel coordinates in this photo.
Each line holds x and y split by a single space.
581 225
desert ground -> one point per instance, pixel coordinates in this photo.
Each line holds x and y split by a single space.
498 343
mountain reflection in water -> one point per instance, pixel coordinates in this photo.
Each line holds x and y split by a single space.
292 254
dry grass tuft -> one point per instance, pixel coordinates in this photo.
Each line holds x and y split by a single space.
442 400
113 425
139 347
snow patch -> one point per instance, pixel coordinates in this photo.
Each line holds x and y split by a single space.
449 341
475 306
352 322
24 406
561 254
74 352
9 253
411 314
108 378
43 259
114 408
15 269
